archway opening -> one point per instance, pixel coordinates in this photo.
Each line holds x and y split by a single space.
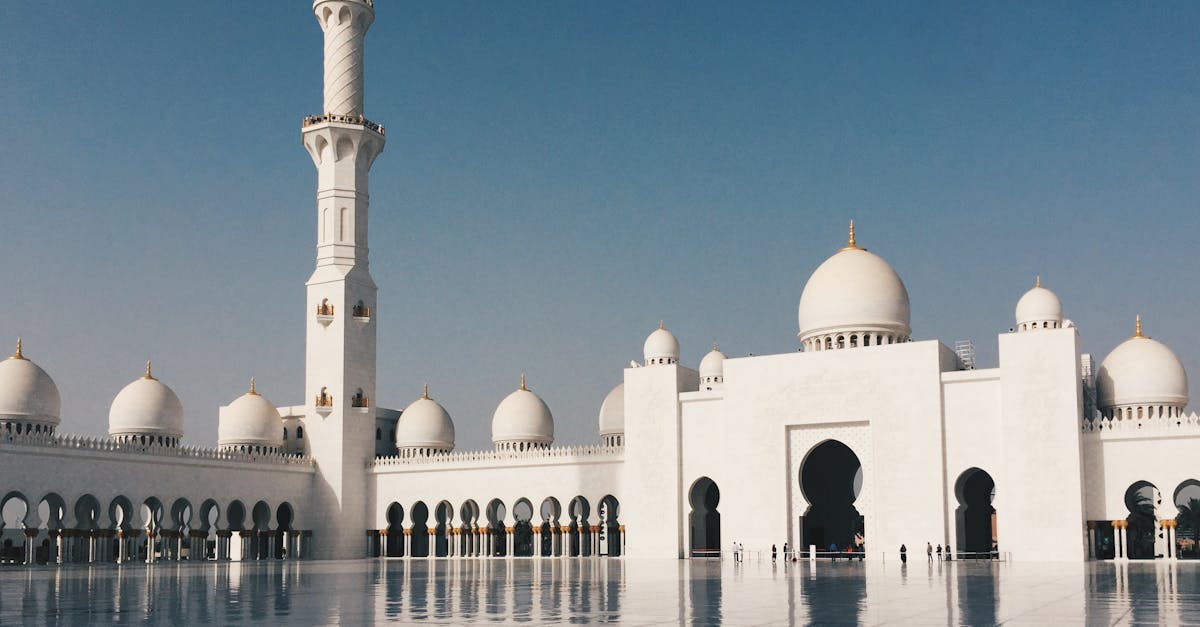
975 517
13 513
420 529
831 478
497 534
610 528
523 528
442 517
395 531
581 534
704 520
261 515
1142 500
284 517
1187 529
551 532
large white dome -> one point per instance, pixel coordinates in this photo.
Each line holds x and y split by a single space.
854 292
661 347
146 407
1141 372
612 412
712 367
251 420
27 393
1039 308
522 418
425 424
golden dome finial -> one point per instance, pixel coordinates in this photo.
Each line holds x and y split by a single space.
660 324
18 355
523 382
714 345
425 394
851 244
148 375
252 390
1137 326
1037 282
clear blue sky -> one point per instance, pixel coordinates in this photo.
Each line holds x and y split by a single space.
561 175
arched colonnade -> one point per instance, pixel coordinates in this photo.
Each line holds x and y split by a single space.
84 529
494 528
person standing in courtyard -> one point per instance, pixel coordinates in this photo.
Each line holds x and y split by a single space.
785 551
903 554
929 552
939 552
772 553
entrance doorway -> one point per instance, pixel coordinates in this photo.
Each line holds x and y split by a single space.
831 479
704 519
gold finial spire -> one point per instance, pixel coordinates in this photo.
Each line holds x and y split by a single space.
1137 326
425 394
252 390
1038 281
714 345
660 324
523 381
18 355
148 375
850 243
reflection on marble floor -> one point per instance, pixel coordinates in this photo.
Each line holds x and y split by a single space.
643 592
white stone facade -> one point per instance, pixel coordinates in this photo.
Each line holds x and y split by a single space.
866 439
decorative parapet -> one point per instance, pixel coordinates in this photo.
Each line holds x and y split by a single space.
357 120
1159 426
554 454
107 445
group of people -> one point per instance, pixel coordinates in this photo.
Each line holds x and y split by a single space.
929 551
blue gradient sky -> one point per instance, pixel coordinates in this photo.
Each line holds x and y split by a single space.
561 175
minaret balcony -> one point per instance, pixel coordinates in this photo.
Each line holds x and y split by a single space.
324 404
357 120
361 404
361 313
325 314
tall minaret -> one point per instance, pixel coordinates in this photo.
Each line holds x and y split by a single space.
340 316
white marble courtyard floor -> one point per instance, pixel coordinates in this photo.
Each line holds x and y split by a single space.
633 592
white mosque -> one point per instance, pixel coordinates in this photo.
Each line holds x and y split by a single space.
866 438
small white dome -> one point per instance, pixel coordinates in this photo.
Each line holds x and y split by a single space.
523 417
251 420
1141 371
425 424
661 347
612 412
1039 306
146 407
712 367
854 291
27 393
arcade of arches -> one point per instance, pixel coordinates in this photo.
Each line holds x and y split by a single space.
55 530
549 530
1157 525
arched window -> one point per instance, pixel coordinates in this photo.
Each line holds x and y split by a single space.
299 433
378 434
285 433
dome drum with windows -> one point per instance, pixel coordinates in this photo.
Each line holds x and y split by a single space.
522 422
146 412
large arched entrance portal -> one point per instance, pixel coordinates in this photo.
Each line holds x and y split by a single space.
831 479
975 522
705 520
